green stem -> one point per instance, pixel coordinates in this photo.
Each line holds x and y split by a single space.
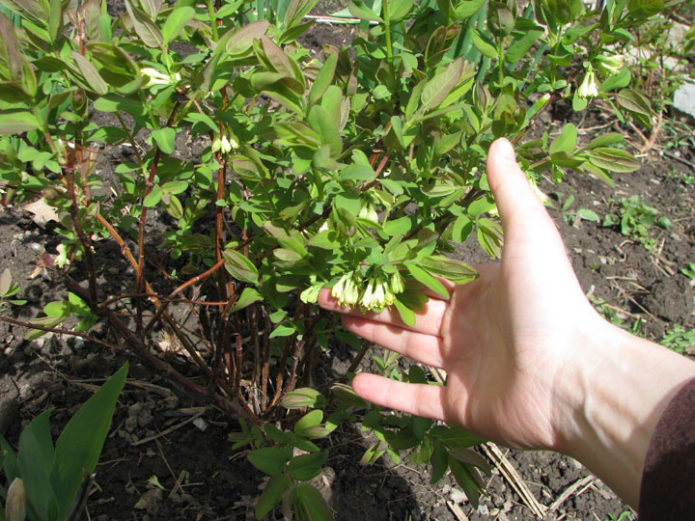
213 19
500 60
387 31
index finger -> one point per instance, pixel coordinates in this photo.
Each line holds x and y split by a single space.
427 321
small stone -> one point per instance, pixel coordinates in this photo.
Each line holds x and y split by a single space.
684 99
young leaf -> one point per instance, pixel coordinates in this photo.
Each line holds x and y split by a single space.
323 79
176 21
79 445
276 487
566 141
248 296
437 89
270 460
307 466
485 48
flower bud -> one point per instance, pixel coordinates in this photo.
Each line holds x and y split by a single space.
15 501
610 65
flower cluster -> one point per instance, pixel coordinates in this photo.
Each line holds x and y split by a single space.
610 65
379 292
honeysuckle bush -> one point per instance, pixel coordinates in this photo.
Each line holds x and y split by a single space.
358 169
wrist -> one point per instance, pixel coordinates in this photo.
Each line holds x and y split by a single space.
613 396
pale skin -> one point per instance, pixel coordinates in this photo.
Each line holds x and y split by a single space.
530 363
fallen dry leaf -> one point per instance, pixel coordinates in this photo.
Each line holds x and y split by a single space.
42 212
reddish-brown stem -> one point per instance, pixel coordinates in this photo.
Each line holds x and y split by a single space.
198 278
84 239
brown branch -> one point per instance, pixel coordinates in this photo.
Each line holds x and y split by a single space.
59 331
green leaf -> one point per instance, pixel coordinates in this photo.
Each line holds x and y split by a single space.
310 419
566 141
485 48
451 269
35 459
16 122
175 22
240 267
427 280
148 32
324 124
165 138
437 89
407 315
613 160
439 462
467 8
272 494
307 466
309 504
357 173
520 47
248 296
270 460
606 140
634 101
239 41
588 215
79 445
464 477
363 12
400 226
616 81
489 235
282 331
323 79
55 20
399 9
152 199
301 398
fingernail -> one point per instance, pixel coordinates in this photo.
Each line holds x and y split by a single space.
505 149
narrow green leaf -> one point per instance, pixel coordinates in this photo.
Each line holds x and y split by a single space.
467 8
427 280
55 20
11 47
463 475
634 101
79 445
323 78
241 40
176 21
613 160
451 269
35 457
407 315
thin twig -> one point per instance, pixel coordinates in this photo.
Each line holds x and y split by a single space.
171 429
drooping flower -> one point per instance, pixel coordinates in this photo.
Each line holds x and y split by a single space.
610 65
589 87
368 213
345 291
155 77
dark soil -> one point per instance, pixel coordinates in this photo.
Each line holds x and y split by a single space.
168 456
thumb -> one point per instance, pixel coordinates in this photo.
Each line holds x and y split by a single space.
520 209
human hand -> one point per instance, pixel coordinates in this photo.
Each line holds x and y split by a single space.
504 340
